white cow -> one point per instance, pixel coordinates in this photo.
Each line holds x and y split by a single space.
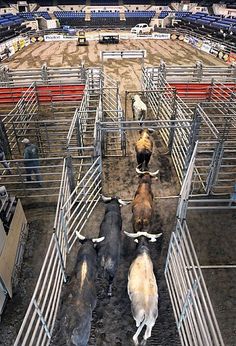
139 108
142 286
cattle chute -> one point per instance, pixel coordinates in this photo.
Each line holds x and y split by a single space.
89 131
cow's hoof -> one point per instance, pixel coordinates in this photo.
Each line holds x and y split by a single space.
135 340
143 342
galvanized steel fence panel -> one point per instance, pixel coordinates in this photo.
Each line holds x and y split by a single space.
17 121
194 315
167 105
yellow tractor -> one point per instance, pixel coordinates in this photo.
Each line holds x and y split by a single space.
82 39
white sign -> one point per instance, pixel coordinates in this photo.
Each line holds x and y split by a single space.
53 37
206 48
161 36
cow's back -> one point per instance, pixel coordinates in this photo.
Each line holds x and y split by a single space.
144 145
109 249
142 286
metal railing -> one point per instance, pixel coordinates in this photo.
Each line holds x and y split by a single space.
194 315
76 201
167 105
43 76
189 74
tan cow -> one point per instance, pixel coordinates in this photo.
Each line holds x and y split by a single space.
142 286
144 148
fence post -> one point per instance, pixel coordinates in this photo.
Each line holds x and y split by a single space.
233 72
83 73
70 173
193 137
79 133
172 123
60 257
217 158
44 73
198 71
211 87
4 76
64 229
161 72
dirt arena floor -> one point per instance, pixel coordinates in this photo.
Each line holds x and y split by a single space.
112 320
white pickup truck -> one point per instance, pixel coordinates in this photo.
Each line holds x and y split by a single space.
142 28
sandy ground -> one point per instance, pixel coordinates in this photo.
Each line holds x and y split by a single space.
68 54
112 320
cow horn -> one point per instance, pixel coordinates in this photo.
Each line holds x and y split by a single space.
80 236
139 172
151 130
122 202
98 240
147 172
152 237
132 235
153 174
106 199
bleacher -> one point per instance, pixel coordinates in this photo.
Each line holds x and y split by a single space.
33 15
210 21
176 14
8 20
71 18
136 17
105 18
11 26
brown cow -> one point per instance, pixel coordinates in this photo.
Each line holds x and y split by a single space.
142 207
144 148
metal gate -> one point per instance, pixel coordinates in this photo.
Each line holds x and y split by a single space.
194 315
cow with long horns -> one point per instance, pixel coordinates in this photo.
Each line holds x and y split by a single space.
82 294
109 250
142 286
142 207
144 148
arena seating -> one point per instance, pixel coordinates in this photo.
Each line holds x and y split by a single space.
177 14
135 17
11 26
8 20
105 18
33 15
70 18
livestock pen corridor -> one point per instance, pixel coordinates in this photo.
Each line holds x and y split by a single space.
99 120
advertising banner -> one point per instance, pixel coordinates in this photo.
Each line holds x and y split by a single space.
231 58
206 47
53 37
161 36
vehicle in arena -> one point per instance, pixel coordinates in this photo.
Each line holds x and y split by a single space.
142 28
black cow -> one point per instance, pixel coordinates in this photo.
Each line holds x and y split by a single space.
109 249
82 295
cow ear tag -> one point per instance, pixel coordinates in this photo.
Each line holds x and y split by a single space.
136 240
